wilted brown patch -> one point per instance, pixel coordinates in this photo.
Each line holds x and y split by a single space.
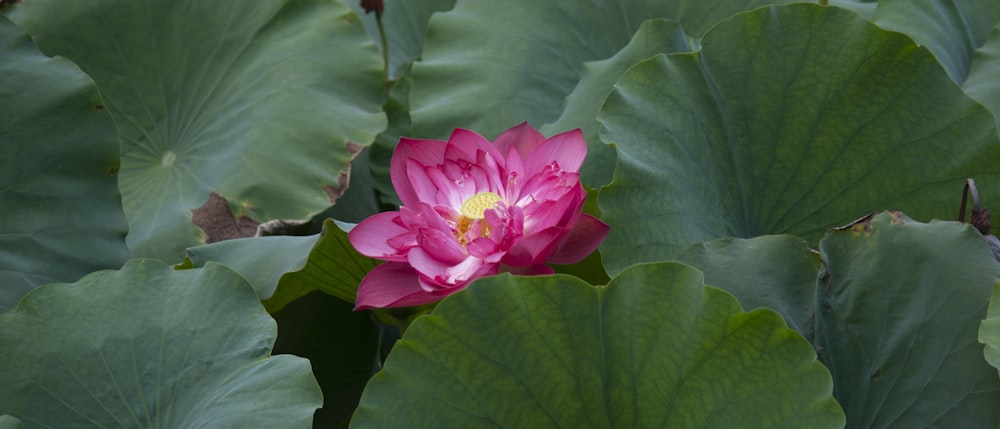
344 177
216 220
896 217
864 225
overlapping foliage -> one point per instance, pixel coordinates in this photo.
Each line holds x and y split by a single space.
740 140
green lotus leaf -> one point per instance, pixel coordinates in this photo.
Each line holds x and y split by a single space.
597 78
405 24
343 346
900 306
9 422
654 348
358 202
865 8
284 268
982 83
962 35
951 30
791 119
261 103
989 330
397 110
58 161
148 346
775 271
260 260
489 65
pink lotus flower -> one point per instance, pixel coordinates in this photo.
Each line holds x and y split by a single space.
472 208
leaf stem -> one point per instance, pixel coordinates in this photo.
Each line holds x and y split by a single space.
385 47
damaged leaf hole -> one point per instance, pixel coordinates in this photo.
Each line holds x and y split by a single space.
217 222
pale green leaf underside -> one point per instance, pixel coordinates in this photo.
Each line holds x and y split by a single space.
282 269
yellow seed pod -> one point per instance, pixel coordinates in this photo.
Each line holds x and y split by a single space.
476 205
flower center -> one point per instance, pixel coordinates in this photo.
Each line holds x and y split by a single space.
475 207
472 223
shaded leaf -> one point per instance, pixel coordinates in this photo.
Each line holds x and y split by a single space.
901 305
653 37
397 109
776 271
952 30
358 202
405 23
489 65
865 8
342 345
655 348
58 163
982 83
333 267
791 119
257 102
149 346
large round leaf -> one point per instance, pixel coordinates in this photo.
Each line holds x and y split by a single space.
792 119
655 348
149 346
488 65
58 160
901 305
255 101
